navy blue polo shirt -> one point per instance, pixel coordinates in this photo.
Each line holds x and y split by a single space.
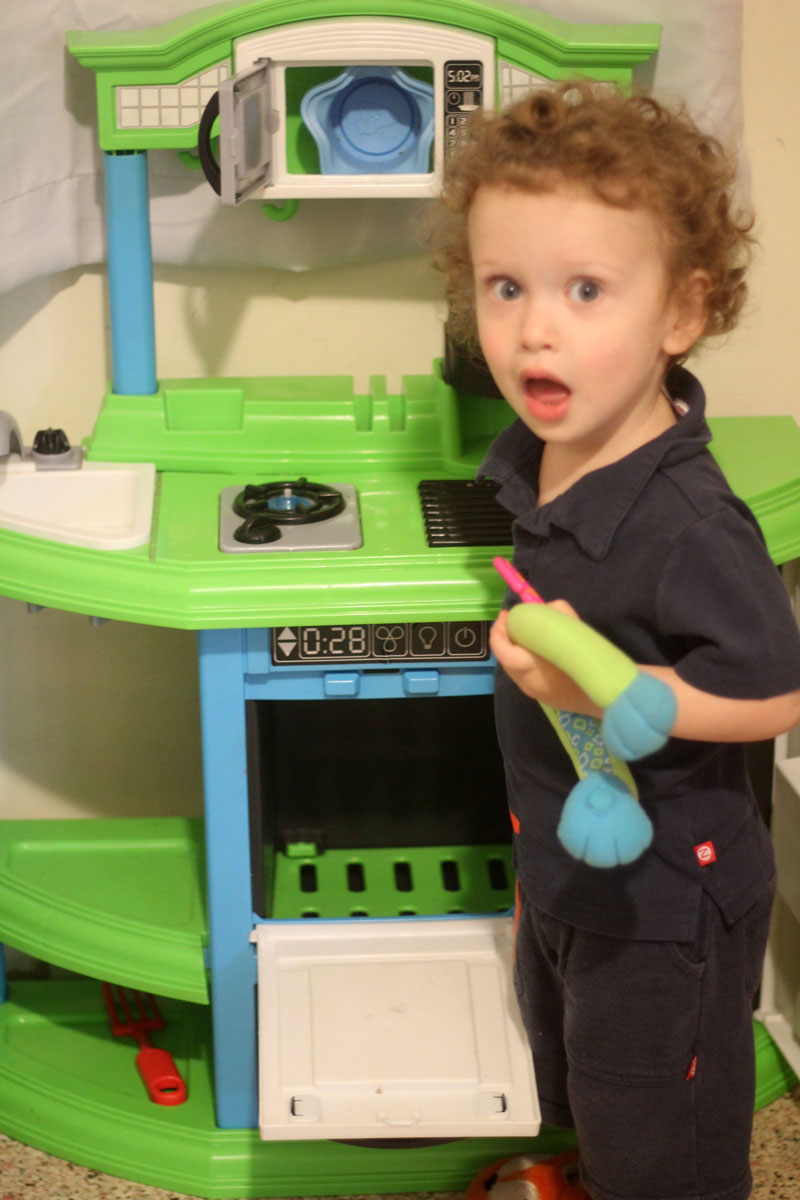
657 553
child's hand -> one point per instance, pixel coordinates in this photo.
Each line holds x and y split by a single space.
534 675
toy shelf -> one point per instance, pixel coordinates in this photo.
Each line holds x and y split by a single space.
122 899
780 993
779 1009
93 1110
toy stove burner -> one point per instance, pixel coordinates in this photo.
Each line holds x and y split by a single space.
289 515
266 506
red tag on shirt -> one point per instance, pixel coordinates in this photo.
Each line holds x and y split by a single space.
705 853
690 1074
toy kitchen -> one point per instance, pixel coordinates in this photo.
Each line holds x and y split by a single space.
331 943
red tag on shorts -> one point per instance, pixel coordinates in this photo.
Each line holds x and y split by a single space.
705 853
690 1074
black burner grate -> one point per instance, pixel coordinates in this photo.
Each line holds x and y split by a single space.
462 512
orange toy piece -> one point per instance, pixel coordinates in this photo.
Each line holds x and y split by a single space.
525 1177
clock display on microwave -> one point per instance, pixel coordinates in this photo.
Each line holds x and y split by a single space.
390 641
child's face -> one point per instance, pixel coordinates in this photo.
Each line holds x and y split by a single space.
574 314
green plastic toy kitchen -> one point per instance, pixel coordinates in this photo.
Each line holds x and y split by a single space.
330 945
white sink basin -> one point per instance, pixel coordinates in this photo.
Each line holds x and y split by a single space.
105 506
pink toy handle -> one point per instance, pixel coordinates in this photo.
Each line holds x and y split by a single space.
516 582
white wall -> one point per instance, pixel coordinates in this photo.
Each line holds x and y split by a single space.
103 720
754 371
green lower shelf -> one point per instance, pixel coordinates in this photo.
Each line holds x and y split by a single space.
70 1089
774 1076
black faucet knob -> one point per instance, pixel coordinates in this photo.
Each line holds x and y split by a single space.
51 441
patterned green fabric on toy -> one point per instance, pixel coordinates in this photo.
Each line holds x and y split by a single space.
602 822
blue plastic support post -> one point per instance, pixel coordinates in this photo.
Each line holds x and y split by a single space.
230 902
130 274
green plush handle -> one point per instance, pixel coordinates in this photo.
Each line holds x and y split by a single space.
596 665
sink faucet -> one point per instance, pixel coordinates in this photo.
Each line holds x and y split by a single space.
10 436
50 451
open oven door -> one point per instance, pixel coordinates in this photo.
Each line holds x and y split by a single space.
398 1029
246 126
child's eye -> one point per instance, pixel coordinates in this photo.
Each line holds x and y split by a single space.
505 289
584 290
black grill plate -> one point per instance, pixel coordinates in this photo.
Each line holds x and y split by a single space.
463 512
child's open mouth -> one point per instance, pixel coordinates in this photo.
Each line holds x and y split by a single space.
547 399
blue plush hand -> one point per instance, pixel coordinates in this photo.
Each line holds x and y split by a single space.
602 824
640 720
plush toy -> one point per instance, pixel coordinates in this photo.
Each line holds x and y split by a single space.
528 1178
602 822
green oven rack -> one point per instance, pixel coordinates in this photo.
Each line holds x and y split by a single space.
422 881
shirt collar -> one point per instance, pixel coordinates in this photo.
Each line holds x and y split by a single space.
593 508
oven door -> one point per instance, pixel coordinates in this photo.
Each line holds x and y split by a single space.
246 125
402 1029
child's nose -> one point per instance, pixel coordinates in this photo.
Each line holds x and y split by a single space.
538 326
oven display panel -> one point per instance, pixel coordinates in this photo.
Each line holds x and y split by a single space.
391 642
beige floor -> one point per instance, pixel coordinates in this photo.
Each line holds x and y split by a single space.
27 1174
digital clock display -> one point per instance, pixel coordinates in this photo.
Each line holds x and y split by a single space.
463 94
389 642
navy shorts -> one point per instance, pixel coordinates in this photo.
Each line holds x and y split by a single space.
646 1049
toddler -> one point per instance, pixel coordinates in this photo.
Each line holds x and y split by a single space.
589 241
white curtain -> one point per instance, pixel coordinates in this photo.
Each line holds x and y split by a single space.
50 166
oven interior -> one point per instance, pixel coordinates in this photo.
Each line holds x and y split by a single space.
377 808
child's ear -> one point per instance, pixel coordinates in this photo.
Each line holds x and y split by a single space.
690 313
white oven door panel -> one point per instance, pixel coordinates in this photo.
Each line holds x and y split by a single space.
391 1029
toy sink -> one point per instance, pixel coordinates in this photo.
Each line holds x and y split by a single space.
102 505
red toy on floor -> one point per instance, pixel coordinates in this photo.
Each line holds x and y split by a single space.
528 1178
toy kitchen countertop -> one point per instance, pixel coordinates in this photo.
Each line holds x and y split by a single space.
369 508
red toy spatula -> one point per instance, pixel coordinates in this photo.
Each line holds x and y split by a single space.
136 1014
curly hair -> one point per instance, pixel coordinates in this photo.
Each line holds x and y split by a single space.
628 151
